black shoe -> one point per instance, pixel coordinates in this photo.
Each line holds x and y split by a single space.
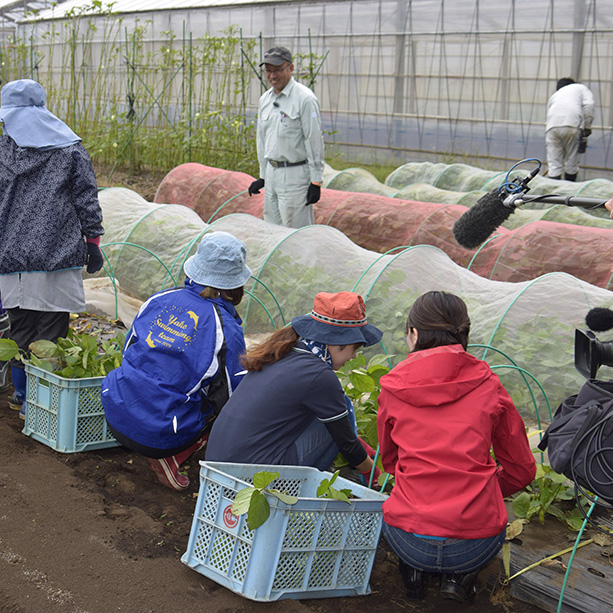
15 401
414 580
459 587
568 177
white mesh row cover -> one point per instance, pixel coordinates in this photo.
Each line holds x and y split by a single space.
532 322
464 184
466 178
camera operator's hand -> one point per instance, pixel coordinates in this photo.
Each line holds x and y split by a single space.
609 207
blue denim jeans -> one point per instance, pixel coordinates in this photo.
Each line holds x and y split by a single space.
315 447
446 556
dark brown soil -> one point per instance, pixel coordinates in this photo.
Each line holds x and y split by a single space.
144 182
94 532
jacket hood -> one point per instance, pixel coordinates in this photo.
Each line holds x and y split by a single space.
436 377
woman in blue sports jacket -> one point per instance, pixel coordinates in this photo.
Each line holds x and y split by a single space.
181 361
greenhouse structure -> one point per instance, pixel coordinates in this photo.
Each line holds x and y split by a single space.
397 79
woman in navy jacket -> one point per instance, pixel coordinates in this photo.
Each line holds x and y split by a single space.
181 361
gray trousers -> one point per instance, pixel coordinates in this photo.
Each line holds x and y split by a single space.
285 193
563 150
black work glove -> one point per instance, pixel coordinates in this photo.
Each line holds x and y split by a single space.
313 194
95 260
256 186
587 132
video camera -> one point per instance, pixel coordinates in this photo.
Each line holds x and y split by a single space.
590 352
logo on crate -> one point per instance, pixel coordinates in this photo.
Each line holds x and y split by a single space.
229 518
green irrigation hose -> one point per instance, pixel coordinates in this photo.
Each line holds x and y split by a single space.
489 240
111 273
572 555
224 204
521 293
525 372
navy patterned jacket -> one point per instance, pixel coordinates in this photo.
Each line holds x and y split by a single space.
48 206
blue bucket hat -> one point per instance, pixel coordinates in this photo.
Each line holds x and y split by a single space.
337 319
27 120
219 262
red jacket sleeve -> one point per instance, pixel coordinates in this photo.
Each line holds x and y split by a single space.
517 467
387 448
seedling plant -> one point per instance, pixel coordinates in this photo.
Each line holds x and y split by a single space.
252 500
547 495
77 356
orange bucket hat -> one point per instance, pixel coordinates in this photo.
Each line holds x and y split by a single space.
337 319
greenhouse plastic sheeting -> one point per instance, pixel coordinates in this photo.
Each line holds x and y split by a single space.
531 322
382 224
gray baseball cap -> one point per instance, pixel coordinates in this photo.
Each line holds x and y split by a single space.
277 56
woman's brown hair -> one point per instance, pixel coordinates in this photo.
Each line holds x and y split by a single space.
440 318
277 346
233 295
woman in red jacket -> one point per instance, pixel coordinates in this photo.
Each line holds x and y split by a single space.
441 411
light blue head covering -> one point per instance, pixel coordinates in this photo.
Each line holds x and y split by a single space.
219 262
27 120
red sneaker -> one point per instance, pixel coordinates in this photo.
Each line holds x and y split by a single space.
167 472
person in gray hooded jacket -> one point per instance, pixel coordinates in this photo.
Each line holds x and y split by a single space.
50 221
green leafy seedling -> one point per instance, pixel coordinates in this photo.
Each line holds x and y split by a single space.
74 357
325 489
542 497
8 349
253 502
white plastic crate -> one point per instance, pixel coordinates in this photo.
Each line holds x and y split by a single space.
317 548
65 414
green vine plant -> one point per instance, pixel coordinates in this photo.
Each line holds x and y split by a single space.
77 356
252 500
549 494
361 381
325 489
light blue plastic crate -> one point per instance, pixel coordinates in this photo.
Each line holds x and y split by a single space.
317 548
65 414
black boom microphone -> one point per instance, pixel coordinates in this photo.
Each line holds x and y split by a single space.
599 319
481 220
